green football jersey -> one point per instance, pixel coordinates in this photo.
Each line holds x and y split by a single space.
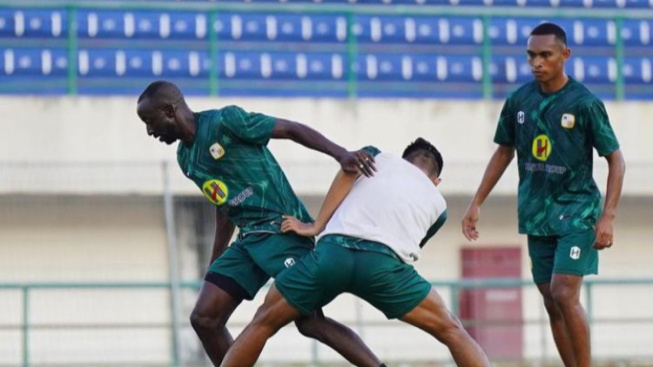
553 135
230 162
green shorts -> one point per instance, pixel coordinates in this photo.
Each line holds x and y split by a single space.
378 277
567 254
253 259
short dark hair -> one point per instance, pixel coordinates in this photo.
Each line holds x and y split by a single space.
423 148
546 29
161 89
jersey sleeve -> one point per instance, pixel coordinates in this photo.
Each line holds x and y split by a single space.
374 151
601 134
434 228
505 134
250 127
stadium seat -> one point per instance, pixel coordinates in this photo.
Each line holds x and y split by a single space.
142 64
638 70
510 70
42 23
141 24
593 70
33 62
637 32
424 30
282 65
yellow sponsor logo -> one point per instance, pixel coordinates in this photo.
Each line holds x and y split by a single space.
541 147
568 121
216 191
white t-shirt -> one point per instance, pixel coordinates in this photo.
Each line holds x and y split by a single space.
396 207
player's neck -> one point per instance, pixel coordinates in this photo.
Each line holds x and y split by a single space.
554 84
189 128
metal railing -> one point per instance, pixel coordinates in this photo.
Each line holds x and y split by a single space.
213 44
452 288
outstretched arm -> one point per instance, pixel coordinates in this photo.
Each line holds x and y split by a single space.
339 189
495 169
616 172
224 230
351 162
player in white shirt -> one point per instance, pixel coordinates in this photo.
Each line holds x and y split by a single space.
370 228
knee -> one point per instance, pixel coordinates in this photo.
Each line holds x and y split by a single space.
202 321
563 296
309 327
550 305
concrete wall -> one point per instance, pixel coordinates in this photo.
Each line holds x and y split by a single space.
103 130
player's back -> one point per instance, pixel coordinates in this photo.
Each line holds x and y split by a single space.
396 207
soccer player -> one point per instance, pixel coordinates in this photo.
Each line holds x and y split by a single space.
378 226
224 152
553 123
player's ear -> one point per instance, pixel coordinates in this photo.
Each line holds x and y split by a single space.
169 110
436 181
566 53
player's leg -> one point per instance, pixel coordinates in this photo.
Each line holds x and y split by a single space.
231 278
270 317
575 257
339 337
558 327
432 316
313 281
542 252
213 308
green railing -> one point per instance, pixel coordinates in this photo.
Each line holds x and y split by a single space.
453 288
212 43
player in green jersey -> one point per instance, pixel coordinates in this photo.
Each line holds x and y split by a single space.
224 152
554 123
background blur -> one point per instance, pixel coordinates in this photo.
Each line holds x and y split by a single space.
103 242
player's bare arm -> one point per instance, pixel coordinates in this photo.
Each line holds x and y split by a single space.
605 225
224 230
495 169
339 189
352 162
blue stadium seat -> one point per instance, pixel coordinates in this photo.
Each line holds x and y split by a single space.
42 23
33 62
638 70
580 32
426 30
511 31
593 70
637 32
141 24
426 68
595 32
282 65
510 70
142 64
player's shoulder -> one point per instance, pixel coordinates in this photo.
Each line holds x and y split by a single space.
583 97
523 91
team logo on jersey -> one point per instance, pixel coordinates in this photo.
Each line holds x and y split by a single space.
216 150
541 148
216 191
289 262
568 121
520 117
575 253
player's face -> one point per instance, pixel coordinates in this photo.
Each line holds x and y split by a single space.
160 121
546 56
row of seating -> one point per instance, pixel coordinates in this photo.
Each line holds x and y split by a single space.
424 30
249 65
628 4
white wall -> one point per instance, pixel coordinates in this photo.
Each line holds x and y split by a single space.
101 130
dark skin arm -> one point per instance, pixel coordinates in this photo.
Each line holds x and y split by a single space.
224 230
351 162
604 227
495 169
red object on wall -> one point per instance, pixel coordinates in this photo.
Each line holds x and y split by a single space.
493 316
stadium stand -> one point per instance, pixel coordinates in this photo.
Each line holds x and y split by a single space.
312 54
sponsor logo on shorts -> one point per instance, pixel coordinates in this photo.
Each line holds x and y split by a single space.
568 121
575 253
541 148
216 191
289 262
520 117
216 150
